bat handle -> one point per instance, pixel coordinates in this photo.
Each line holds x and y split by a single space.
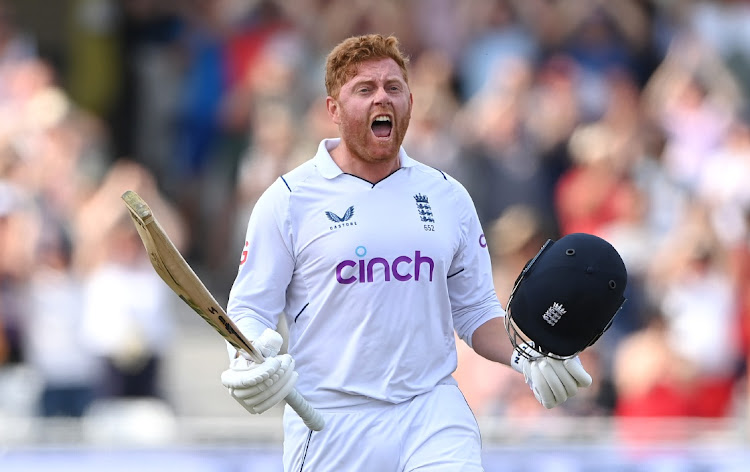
312 417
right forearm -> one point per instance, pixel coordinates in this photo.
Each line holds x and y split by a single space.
490 340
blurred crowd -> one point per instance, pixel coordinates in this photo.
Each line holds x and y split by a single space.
627 119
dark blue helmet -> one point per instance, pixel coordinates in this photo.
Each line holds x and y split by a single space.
567 295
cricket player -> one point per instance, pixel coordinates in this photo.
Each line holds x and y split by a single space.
375 260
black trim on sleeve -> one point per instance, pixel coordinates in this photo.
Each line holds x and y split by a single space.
285 183
455 273
441 172
300 312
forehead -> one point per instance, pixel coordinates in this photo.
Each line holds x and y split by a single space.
377 70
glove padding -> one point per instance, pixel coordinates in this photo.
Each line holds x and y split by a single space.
552 380
258 387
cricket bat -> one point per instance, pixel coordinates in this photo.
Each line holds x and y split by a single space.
177 273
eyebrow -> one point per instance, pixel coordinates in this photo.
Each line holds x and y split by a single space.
356 82
363 81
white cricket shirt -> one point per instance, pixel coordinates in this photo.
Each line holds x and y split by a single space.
373 279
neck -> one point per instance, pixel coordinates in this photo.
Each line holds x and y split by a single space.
370 170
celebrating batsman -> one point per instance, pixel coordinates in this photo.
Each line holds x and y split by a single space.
376 260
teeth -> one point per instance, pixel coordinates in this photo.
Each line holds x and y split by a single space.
383 118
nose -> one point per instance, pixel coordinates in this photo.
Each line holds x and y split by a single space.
382 97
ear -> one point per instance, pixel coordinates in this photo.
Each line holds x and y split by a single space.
333 110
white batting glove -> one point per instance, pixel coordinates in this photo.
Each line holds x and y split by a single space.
258 387
553 381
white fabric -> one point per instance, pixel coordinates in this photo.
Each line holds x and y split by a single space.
709 344
126 310
366 334
436 431
54 341
553 381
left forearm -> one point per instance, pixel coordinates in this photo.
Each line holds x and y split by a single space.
491 341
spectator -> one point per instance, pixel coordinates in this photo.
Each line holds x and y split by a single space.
53 332
595 190
126 320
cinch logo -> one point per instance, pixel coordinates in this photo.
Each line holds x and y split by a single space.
363 270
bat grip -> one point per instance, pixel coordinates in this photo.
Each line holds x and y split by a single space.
311 417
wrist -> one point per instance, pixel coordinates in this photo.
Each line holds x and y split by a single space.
517 361
522 355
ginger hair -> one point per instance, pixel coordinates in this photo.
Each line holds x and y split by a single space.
343 61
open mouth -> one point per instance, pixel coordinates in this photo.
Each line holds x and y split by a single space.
382 126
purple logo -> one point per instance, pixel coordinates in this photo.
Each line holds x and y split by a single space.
402 268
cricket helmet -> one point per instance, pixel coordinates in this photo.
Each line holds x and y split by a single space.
566 296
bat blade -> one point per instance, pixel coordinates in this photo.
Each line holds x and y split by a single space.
180 277
171 266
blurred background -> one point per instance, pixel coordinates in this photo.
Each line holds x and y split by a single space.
628 119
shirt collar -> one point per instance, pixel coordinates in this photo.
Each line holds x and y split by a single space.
329 169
